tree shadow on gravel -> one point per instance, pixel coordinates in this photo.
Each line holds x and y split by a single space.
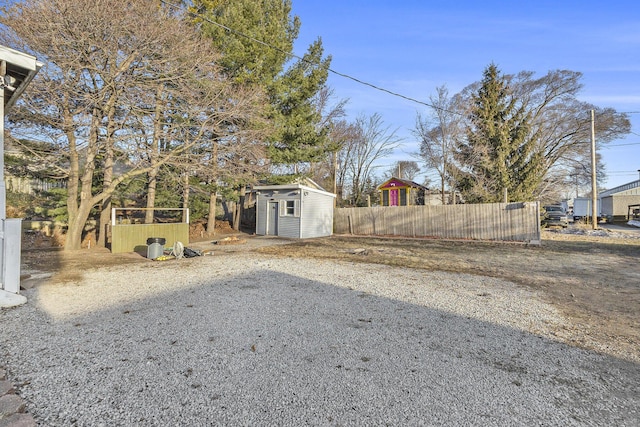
265 347
594 282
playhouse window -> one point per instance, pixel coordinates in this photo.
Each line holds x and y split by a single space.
403 197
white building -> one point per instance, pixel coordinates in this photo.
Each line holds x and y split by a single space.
295 211
616 201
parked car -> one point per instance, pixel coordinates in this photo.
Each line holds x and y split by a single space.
554 215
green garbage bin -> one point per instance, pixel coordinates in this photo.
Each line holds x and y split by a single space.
155 247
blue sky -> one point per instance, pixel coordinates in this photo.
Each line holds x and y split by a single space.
411 47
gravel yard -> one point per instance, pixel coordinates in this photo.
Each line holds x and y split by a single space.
247 338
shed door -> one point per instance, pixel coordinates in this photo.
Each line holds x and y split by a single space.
393 197
272 219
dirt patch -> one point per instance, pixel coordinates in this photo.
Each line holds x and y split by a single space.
594 281
67 266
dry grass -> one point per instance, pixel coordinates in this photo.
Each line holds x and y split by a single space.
594 281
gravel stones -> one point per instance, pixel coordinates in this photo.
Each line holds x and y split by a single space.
246 339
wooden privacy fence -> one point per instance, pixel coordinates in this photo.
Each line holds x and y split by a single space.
518 222
16 184
132 237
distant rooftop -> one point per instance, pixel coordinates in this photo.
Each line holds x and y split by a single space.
620 188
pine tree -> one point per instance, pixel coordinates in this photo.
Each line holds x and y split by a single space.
299 137
235 25
498 154
255 50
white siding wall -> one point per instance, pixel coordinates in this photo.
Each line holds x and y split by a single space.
288 226
262 206
317 215
314 217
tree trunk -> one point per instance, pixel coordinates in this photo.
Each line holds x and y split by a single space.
211 219
237 214
105 219
186 191
77 223
73 238
152 182
155 144
105 212
79 212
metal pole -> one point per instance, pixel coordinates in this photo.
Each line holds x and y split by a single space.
3 190
594 184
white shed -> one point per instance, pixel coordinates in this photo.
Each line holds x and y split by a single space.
294 211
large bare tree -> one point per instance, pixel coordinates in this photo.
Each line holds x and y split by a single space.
371 142
123 81
438 133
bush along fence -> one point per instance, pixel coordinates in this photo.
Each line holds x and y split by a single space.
517 222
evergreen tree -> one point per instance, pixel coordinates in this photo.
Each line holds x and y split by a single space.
499 153
235 25
256 42
299 138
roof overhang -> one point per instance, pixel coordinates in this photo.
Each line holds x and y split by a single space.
295 186
17 69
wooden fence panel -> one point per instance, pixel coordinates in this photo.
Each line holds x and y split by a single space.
133 237
16 184
492 221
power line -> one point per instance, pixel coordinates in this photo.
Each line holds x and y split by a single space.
620 145
329 69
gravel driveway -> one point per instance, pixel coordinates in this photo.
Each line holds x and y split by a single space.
245 339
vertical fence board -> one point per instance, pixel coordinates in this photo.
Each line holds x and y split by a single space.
492 221
128 237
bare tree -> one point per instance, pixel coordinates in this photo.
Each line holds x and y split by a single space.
343 134
124 79
372 142
332 123
404 169
438 134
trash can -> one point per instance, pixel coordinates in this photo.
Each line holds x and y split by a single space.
155 247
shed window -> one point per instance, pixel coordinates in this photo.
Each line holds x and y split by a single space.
290 208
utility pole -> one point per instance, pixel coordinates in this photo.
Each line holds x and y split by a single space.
335 177
594 183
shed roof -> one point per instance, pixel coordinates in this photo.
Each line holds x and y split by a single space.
293 186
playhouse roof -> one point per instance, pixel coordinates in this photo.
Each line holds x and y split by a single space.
394 182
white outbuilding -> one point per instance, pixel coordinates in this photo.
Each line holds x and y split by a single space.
295 211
